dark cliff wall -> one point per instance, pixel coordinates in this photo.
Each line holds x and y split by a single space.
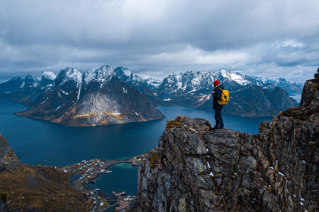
197 169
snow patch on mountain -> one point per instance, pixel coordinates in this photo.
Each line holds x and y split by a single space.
71 74
23 84
104 73
153 82
238 78
127 72
49 75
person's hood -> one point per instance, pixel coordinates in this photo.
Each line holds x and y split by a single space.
219 86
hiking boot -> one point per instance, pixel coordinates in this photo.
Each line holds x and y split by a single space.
215 128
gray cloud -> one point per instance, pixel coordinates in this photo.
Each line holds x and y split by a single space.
154 38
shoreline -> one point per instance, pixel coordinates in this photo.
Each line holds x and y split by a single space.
94 169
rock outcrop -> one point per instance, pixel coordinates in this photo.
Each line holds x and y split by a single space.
194 168
8 159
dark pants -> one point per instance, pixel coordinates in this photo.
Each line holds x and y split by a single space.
219 119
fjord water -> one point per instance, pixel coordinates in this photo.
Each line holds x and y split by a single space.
42 142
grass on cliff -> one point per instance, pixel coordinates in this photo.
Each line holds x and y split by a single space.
154 160
41 187
173 124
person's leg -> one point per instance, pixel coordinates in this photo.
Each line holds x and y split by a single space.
217 120
221 120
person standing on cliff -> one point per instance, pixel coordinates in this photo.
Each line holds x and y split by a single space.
217 93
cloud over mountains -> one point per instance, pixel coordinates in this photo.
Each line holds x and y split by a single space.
265 38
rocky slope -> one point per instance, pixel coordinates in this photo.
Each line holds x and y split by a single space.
35 188
96 97
196 169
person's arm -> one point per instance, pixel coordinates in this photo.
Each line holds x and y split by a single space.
217 94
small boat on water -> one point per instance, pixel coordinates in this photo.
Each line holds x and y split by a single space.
92 181
118 193
97 189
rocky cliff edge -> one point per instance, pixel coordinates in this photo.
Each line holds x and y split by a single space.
8 159
197 169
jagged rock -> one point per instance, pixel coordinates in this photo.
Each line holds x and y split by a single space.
8 158
197 169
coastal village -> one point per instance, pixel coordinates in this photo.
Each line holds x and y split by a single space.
85 173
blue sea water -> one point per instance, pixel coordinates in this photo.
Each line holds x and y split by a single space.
296 96
42 142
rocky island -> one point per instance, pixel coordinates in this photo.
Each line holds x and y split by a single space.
194 168
96 97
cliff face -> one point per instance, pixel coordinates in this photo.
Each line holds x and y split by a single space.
197 169
8 159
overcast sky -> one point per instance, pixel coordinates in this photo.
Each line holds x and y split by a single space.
267 38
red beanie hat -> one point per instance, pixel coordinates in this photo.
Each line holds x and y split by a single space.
216 83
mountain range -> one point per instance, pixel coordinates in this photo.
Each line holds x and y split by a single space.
107 95
96 97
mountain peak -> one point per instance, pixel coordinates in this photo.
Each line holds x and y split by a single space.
29 78
15 78
68 74
99 74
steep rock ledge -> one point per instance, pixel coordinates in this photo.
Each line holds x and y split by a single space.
197 169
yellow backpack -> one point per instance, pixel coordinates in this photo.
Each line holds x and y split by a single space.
224 98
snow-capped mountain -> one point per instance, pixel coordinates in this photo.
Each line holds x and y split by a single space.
289 86
192 89
96 97
201 82
102 74
13 85
129 77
